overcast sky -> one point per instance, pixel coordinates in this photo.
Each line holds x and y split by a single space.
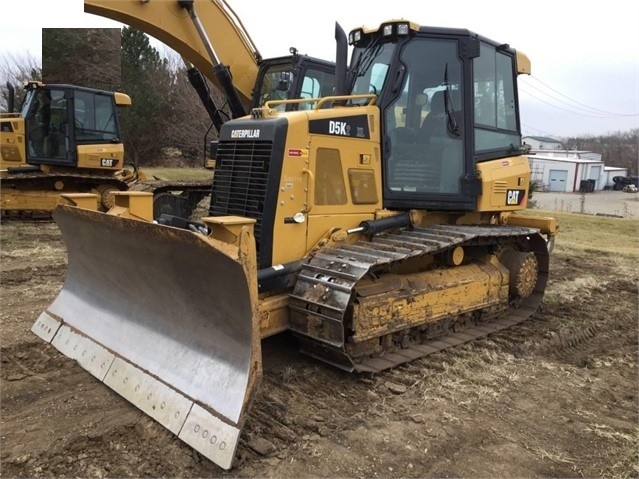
585 57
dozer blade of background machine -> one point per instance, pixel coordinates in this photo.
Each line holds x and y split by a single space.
165 317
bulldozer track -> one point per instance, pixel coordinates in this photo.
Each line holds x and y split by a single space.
325 288
75 182
195 190
45 177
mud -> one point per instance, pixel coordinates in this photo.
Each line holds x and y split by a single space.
555 396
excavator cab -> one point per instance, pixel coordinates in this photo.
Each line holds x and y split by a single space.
292 77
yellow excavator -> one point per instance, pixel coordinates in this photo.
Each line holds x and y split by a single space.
89 158
214 43
378 225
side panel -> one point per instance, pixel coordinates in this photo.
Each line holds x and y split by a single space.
107 157
12 141
346 184
505 184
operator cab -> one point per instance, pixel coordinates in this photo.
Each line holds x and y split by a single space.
448 101
291 77
58 118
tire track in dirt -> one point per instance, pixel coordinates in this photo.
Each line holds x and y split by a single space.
34 275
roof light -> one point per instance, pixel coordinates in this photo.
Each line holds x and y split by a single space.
388 30
355 36
402 28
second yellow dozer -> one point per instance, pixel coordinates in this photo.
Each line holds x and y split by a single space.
378 225
64 139
67 139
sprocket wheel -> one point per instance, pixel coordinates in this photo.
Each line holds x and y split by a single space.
524 271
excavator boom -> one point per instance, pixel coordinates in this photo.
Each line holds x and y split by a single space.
171 22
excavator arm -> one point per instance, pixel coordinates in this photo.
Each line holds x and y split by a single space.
206 33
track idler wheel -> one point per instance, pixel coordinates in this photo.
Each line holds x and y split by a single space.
524 270
107 200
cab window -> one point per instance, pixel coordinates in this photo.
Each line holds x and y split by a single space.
494 100
94 117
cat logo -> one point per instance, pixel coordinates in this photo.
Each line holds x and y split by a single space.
108 162
515 197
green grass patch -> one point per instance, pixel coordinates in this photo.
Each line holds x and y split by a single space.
599 233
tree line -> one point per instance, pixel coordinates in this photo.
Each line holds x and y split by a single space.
616 149
166 113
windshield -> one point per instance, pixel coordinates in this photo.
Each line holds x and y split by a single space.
422 122
370 67
26 103
276 84
280 83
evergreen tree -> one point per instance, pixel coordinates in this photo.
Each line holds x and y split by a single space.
147 80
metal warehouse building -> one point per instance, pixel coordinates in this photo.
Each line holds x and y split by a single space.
571 170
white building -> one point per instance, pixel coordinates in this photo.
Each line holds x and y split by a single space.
569 170
542 143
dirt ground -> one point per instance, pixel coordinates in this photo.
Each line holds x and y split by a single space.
555 396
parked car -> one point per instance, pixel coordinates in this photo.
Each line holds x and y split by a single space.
621 181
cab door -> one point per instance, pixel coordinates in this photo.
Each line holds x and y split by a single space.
47 128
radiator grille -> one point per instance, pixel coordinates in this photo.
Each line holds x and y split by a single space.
240 180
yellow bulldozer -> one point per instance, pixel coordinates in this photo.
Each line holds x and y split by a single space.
378 225
67 139
64 139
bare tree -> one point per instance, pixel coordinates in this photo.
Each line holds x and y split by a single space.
82 56
16 69
190 128
617 149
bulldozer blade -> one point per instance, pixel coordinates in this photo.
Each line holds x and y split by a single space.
165 317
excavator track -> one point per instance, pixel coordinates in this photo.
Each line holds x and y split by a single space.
322 301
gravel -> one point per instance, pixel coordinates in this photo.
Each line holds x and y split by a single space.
606 203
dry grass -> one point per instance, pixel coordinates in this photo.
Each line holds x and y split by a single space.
179 174
600 233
